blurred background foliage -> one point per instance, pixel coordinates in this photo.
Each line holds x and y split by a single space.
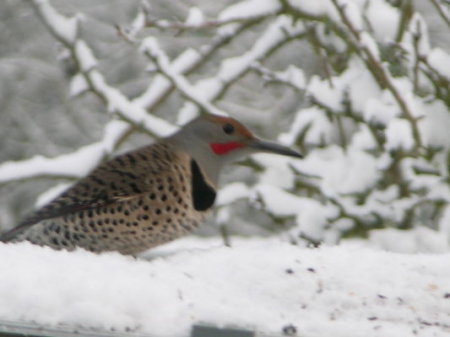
311 91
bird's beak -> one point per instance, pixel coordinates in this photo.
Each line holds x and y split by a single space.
269 147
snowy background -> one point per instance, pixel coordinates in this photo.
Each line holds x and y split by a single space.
361 87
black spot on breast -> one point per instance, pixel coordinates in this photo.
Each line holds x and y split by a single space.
142 156
203 195
131 159
98 180
135 188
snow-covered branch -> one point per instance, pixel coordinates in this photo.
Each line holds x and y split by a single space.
83 55
292 76
370 54
442 10
71 166
151 48
65 30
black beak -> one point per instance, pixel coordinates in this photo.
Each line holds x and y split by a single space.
269 147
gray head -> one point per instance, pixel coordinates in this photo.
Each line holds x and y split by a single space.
214 141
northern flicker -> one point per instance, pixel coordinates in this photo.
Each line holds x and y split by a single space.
145 197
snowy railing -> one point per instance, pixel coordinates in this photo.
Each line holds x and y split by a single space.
374 127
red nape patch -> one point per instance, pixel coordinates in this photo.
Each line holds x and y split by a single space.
224 148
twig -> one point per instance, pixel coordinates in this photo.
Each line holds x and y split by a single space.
442 11
280 77
205 25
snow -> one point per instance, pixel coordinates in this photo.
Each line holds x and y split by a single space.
50 194
276 33
367 41
393 284
277 201
399 135
294 76
380 111
316 8
65 27
353 14
328 94
231 68
151 47
258 284
341 172
76 164
383 20
78 85
313 120
160 85
434 126
117 102
195 17
249 8
231 193
85 56
420 239
440 61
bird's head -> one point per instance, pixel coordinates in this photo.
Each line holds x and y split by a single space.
216 140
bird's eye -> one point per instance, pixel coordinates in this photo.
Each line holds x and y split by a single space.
228 128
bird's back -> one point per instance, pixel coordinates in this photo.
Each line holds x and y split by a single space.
131 203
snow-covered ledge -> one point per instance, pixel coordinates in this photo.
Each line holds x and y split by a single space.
264 285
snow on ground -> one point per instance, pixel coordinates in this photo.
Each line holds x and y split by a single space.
260 284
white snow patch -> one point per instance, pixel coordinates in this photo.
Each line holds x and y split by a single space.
362 88
248 9
368 42
195 17
380 111
444 222
151 47
260 284
316 8
353 14
434 126
76 164
294 76
440 61
383 20
399 135
363 139
231 193
278 201
78 85
276 172
330 95
318 127
50 194
85 56
340 172
160 84
65 27
419 239
311 219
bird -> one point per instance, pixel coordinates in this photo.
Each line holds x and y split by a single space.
148 196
